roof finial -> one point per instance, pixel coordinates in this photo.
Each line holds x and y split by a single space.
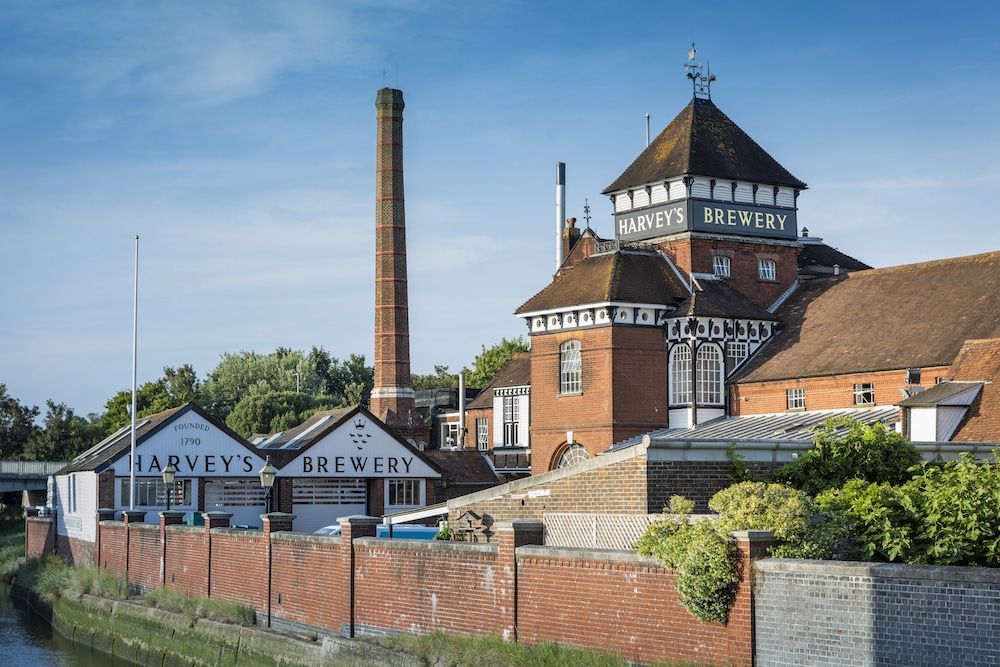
701 77
586 211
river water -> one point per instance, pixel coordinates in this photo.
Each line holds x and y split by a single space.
27 641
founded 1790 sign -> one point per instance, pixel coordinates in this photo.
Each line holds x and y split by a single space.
706 216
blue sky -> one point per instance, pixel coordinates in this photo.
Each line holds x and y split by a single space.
237 139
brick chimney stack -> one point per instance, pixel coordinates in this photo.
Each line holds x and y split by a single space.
392 395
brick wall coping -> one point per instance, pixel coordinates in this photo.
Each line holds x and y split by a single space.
179 527
583 553
439 546
40 519
144 526
114 524
238 532
986 575
601 461
780 451
285 536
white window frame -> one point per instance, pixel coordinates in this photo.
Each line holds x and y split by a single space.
482 434
680 375
153 489
711 375
767 270
71 484
449 429
511 421
722 266
570 368
572 455
412 488
732 357
864 393
795 398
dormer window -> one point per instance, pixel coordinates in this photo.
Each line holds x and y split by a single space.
721 265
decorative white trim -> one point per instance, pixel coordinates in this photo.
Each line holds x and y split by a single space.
393 392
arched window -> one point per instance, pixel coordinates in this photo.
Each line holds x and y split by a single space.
711 374
722 266
680 375
572 455
570 367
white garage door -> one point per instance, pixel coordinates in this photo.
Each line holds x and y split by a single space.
243 498
319 502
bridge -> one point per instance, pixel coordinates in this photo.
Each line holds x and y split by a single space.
26 475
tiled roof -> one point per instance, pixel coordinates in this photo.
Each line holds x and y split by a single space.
782 426
515 373
979 360
625 275
716 298
949 391
703 141
463 468
911 316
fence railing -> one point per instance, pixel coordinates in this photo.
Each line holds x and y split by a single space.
30 468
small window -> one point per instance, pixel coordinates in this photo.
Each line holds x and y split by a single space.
152 492
721 265
403 492
570 367
449 434
766 270
795 398
680 375
511 420
736 353
864 394
72 494
482 435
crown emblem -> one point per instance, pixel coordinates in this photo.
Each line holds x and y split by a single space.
360 434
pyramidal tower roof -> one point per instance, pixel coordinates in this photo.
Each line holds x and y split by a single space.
703 141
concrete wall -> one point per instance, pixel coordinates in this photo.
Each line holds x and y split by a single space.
830 613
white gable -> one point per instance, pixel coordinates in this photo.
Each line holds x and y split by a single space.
360 447
195 447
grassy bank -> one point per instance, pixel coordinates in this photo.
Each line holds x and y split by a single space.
11 547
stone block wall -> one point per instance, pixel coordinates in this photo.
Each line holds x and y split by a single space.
830 613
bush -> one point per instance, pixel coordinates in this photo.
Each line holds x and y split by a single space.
872 453
444 532
760 506
947 514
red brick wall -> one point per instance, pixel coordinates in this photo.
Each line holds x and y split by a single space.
39 536
239 567
145 553
696 254
567 597
420 587
106 489
824 393
75 551
305 576
187 560
113 546
470 425
639 392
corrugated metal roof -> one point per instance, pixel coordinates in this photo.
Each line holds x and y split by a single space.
783 426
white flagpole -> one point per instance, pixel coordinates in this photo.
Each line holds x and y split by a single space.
135 339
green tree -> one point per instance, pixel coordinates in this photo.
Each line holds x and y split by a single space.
845 449
177 387
489 362
63 434
439 378
269 412
17 425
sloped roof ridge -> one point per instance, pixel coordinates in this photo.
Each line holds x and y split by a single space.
916 266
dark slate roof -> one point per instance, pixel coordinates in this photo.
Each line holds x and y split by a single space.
463 468
911 316
625 275
703 141
781 426
817 259
716 298
515 373
299 436
106 452
942 392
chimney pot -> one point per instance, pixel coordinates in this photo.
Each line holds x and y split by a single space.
571 222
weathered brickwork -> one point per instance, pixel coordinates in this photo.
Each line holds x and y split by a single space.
39 536
75 551
145 553
239 567
305 584
576 596
824 393
113 546
696 480
419 587
826 613
186 564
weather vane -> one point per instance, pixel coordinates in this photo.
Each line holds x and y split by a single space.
586 212
701 77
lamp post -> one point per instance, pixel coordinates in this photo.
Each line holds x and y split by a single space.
267 475
168 481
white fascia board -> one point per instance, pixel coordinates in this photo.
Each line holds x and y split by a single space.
587 306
